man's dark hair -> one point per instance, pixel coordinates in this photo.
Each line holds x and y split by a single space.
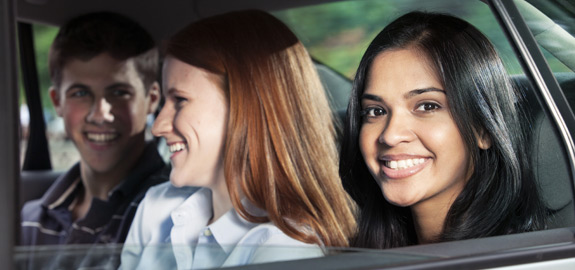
89 35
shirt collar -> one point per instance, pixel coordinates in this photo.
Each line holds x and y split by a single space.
229 229
193 215
67 185
63 189
195 209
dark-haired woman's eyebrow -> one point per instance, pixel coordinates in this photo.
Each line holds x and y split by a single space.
371 97
416 92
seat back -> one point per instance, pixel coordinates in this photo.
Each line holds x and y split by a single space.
549 158
33 184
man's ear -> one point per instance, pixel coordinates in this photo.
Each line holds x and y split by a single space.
154 94
483 139
55 97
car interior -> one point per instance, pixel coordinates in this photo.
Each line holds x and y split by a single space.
552 161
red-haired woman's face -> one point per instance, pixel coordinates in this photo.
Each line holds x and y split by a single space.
193 122
408 138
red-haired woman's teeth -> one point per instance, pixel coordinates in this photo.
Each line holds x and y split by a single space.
177 147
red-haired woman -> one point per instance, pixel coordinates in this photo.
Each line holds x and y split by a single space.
254 163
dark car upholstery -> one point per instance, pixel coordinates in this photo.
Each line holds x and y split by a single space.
33 184
549 157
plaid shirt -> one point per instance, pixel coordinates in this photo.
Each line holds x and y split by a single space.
48 221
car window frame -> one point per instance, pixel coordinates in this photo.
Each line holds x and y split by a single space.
538 71
37 155
519 36
9 138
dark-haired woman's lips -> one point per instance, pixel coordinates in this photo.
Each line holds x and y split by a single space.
404 167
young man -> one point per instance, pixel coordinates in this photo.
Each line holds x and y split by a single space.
103 68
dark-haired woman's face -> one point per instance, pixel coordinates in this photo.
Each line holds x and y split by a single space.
408 138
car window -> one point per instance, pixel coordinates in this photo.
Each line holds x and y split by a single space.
63 154
554 31
338 33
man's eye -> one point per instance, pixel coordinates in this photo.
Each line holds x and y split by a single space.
372 112
120 92
427 107
79 93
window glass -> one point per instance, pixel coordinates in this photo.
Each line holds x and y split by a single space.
338 33
63 154
554 30
552 24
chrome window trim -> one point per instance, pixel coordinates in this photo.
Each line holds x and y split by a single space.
538 70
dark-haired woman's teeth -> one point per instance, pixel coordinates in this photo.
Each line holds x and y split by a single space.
404 163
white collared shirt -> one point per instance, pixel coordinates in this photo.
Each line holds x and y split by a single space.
170 230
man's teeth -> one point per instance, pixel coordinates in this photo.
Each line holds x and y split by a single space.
404 163
101 137
177 147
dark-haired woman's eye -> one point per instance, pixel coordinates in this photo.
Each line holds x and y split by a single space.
372 112
427 107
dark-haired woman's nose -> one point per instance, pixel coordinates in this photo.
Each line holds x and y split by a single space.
397 130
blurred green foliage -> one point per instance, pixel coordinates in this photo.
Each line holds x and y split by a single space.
43 37
338 33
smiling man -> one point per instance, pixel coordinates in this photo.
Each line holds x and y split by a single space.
103 68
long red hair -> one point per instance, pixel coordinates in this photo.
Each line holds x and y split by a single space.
280 150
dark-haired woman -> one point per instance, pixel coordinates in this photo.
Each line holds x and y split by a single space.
434 149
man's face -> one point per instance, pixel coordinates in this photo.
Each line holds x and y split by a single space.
104 106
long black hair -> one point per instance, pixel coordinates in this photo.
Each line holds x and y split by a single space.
501 196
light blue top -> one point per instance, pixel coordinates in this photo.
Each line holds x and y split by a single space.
170 231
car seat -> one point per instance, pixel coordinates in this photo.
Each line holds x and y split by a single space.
549 158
